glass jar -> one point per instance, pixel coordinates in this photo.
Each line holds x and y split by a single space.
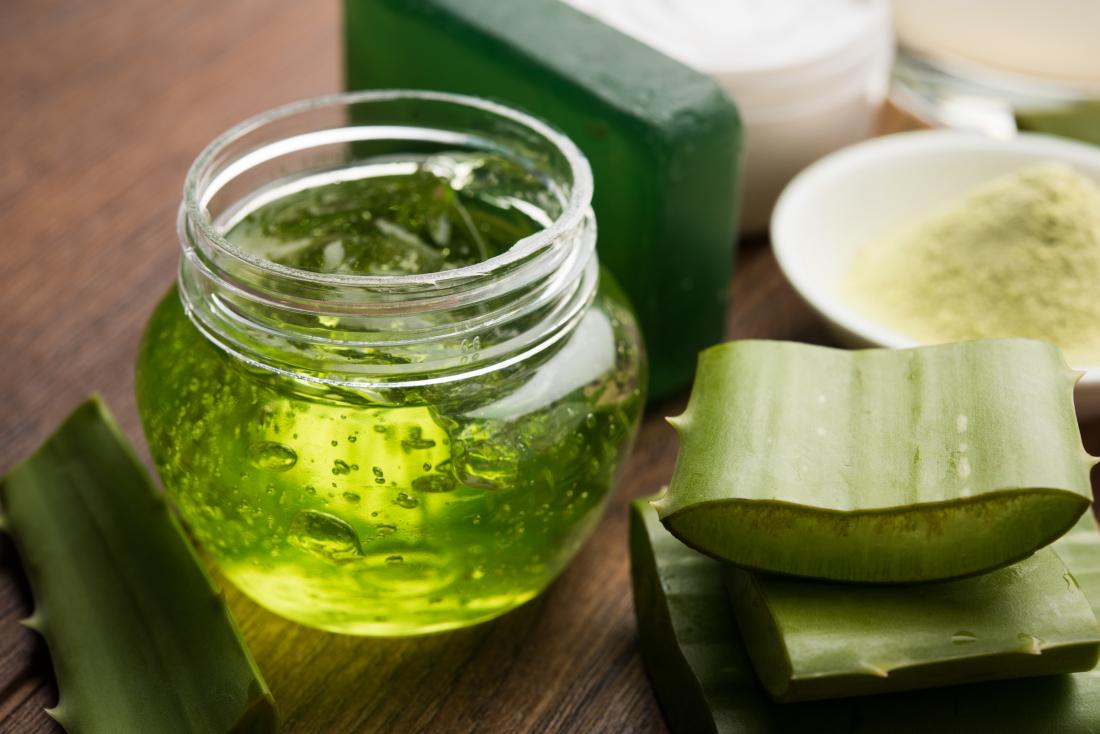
391 454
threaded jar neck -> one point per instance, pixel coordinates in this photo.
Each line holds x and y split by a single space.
387 330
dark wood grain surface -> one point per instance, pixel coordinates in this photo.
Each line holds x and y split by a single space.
103 105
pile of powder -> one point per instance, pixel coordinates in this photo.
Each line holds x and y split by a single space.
1019 256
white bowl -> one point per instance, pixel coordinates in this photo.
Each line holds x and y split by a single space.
855 195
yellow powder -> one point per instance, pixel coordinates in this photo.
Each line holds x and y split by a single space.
1018 256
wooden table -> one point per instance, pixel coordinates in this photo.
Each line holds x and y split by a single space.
103 105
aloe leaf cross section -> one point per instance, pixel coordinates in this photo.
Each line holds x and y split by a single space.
878 466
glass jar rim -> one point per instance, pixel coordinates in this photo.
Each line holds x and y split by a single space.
397 330
576 206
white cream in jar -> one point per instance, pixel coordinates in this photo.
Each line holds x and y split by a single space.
808 76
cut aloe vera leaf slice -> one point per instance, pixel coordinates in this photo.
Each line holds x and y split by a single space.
878 465
140 639
813 639
704 681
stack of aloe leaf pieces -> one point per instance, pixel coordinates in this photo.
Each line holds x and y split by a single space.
876 540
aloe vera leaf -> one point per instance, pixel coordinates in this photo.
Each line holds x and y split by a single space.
140 639
878 465
811 639
704 681
1080 120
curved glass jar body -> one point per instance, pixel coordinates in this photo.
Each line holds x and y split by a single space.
391 455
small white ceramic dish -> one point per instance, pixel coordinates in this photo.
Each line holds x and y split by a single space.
854 196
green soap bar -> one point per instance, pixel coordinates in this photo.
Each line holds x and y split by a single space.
663 140
704 680
812 640
879 465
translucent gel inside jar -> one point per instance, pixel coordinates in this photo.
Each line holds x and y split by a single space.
425 509
395 216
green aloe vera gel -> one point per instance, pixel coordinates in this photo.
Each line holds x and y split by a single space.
890 466
394 389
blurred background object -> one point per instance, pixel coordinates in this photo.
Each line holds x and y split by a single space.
1048 41
996 66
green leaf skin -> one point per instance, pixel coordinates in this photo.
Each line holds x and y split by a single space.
140 639
878 466
814 640
704 681
1080 120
